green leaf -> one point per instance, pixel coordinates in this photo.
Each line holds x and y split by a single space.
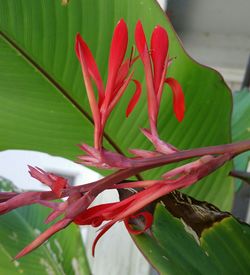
241 127
228 242
175 248
62 254
240 119
44 105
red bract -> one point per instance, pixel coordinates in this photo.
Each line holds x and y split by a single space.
156 62
117 82
56 183
126 209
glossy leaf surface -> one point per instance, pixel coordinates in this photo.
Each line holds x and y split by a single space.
175 248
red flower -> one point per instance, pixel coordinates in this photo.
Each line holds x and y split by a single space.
117 82
181 177
156 62
178 178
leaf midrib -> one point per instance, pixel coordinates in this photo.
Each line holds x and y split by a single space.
58 87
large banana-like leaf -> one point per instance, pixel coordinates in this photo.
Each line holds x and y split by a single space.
173 247
43 102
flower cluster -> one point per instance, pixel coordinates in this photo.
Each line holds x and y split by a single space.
76 208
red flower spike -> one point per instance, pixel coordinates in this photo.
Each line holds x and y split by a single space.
134 99
159 51
178 98
77 207
155 80
114 212
142 47
148 220
117 82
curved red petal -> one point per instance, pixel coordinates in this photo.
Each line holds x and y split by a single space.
159 51
90 62
178 98
148 220
135 98
103 231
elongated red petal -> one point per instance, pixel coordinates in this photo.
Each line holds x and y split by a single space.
159 51
142 48
89 88
90 63
38 174
148 220
140 39
43 237
103 231
117 52
178 98
135 98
